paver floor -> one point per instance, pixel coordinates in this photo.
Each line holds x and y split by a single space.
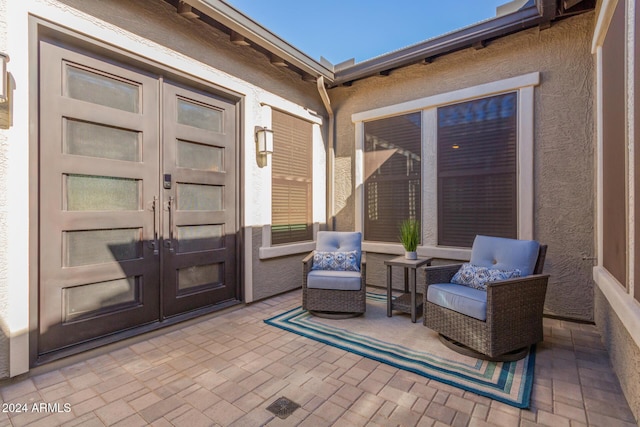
226 369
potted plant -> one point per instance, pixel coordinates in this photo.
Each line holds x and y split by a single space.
410 237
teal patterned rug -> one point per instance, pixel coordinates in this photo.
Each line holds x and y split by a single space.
413 347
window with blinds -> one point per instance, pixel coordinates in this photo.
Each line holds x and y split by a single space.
392 168
477 180
291 179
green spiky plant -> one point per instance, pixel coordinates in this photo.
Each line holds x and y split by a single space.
410 234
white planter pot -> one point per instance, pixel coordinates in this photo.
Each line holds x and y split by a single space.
411 255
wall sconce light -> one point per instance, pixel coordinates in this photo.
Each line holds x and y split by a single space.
4 87
264 145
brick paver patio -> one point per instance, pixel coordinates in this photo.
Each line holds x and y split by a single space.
224 370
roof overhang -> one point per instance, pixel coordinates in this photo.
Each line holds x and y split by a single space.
244 30
257 34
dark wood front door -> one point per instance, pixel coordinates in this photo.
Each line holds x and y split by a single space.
199 195
137 198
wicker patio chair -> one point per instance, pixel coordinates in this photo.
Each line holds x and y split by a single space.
329 288
501 323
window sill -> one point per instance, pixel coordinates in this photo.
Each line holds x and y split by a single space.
461 254
284 250
623 304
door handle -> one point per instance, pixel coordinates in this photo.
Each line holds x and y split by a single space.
169 242
154 243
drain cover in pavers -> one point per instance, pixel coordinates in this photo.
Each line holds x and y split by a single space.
283 407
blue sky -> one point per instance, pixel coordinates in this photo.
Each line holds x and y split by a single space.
362 29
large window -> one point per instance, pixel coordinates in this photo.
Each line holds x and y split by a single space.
392 175
292 171
477 185
461 162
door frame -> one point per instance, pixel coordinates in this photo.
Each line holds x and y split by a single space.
39 29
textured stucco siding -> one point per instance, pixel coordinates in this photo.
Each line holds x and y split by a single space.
563 139
4 290
623 351
276 275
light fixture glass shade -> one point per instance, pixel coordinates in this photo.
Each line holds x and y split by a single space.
4 58
265 140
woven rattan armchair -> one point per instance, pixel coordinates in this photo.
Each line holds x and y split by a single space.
514 307
334 293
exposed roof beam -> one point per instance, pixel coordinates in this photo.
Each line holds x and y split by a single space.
238 39
241 24
277 61
187 11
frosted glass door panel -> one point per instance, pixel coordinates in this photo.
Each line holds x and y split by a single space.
196 197
100 298
88 247
199 116
101 193
100 89
94 140
200 156
200 275
192 238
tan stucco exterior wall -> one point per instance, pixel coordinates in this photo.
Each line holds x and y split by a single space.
563 139
276 275
623 352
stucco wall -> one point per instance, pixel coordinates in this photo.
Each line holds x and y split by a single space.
4 294
276 275
563 139
623 351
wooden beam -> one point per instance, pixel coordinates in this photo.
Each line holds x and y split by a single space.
186 10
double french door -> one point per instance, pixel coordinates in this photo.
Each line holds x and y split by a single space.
137 198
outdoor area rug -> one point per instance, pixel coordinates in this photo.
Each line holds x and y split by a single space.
412 347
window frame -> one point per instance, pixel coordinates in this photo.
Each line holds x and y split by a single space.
524 87
268 250
404 181
621 297
302 181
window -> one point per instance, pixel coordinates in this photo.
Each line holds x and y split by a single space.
614 150
477 183
461 162
291 179
392 175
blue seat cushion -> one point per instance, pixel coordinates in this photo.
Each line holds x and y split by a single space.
460 298
335 280
505 254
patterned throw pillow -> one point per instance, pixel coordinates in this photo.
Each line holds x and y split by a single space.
337 261
476 277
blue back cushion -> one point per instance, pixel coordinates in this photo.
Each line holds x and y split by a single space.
505 254
340 241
